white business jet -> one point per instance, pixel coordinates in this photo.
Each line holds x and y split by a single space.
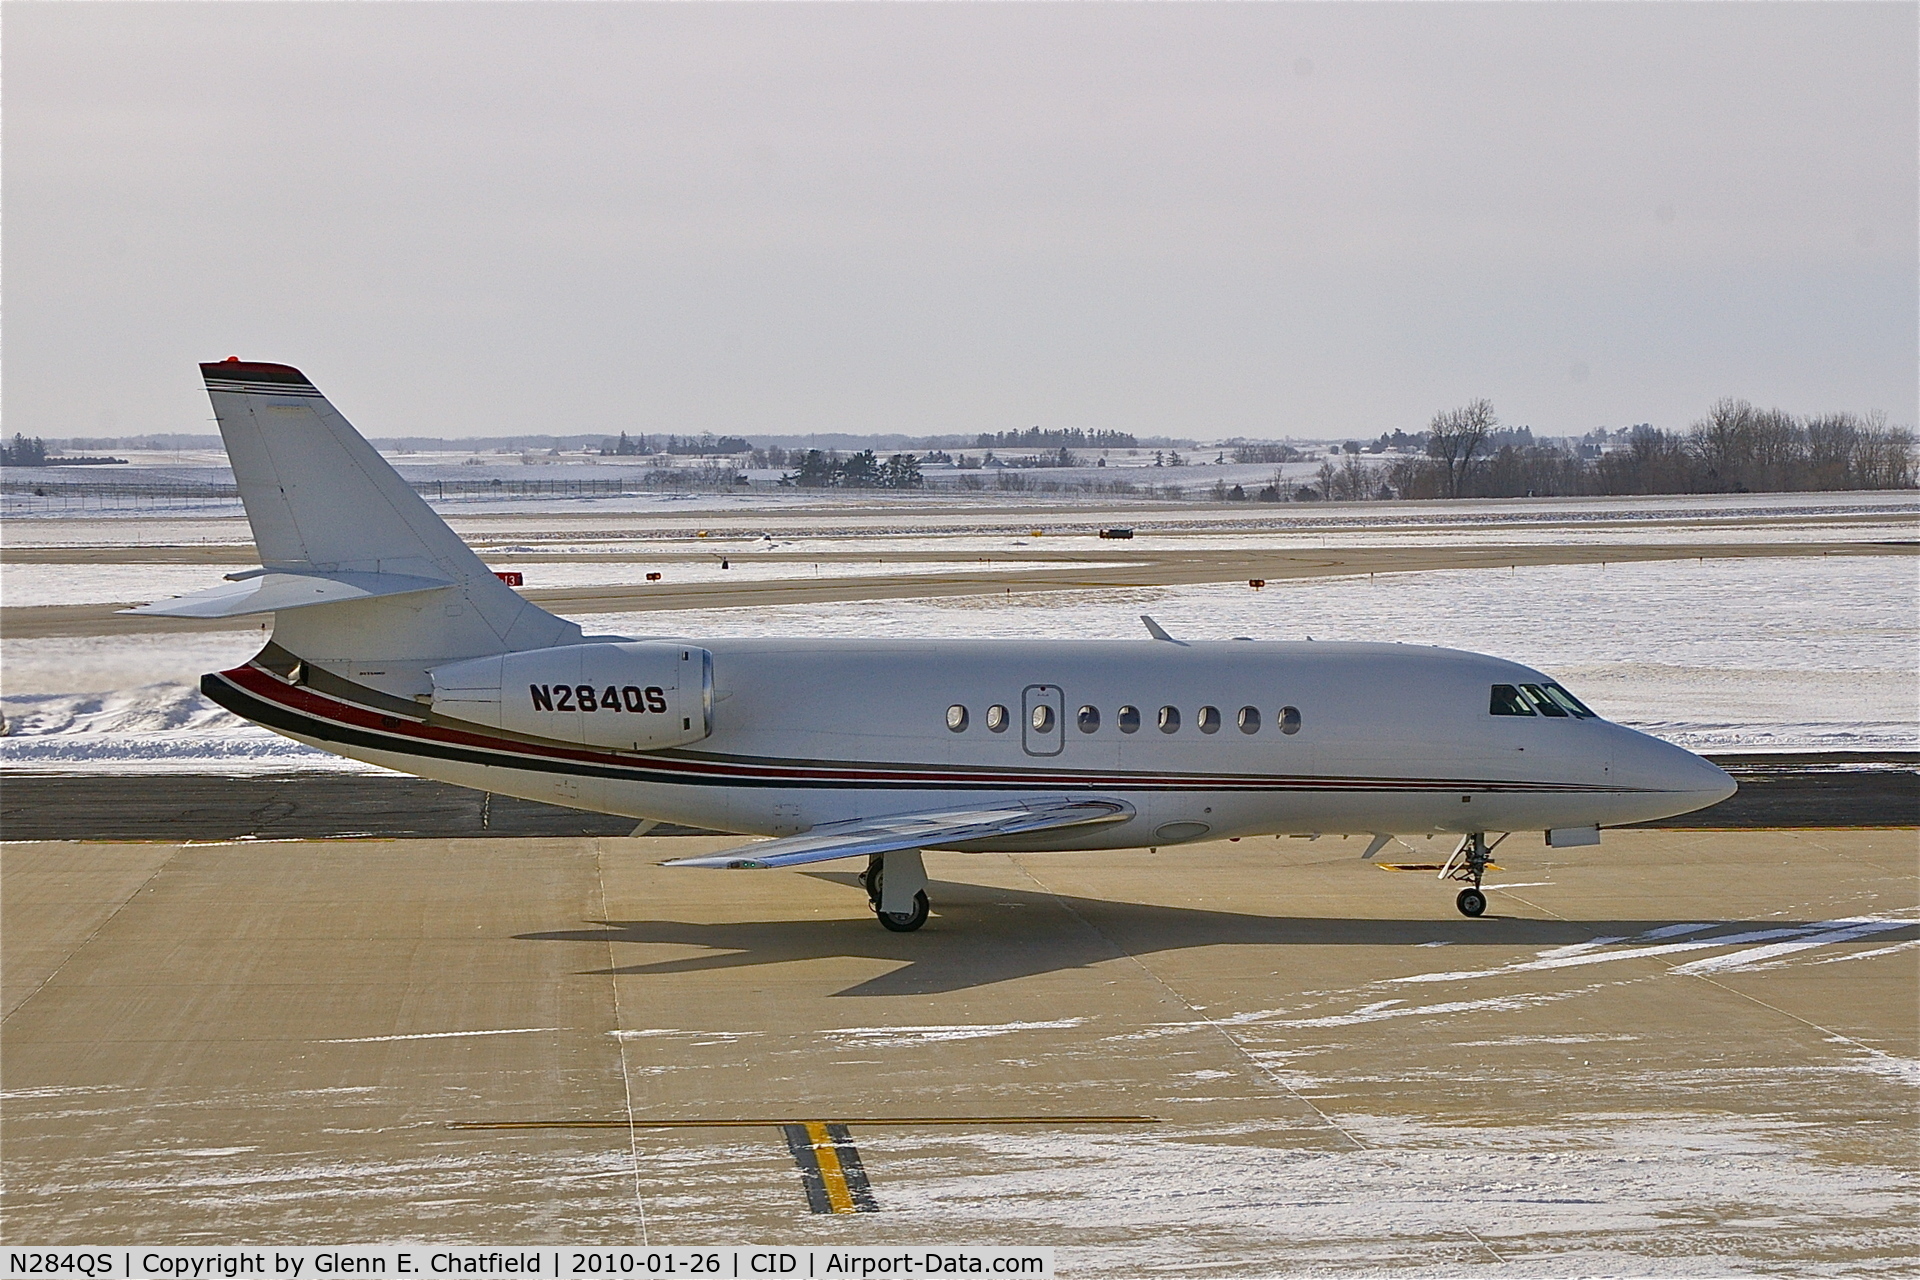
393 644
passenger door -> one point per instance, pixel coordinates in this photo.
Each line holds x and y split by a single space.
1043 720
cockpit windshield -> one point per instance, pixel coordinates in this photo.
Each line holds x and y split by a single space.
1570 702
1537 700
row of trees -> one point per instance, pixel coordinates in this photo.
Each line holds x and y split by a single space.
23 452
704 445
1735 448
1262 451
1071 438
863 470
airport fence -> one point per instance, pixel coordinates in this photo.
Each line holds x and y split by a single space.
33 496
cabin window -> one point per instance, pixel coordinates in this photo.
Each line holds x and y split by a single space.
957 718
1541 702
1508 702
1043 718
997 720
1289 719
1169 719
1208 721
1249 720
1570 702
1088 719
1128 719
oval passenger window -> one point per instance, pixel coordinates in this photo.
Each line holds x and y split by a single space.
1088 719
1169 719
1042 718
1128 719
1208 720
997 718
1289 719
1249 720
957 718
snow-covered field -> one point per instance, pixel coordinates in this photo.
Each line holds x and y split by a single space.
51 584
1784 653
1767 653
32 519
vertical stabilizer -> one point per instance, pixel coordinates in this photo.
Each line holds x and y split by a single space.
321 499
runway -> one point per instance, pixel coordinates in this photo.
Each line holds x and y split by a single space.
1680 1053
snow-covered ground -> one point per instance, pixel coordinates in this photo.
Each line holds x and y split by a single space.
882 509
1770 653
1787 653
64 584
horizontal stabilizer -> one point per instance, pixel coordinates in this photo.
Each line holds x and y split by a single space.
275 590
914 831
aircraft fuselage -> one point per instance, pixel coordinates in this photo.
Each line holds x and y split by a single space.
1202 740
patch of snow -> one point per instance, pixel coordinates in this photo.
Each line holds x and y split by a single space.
1386 1009
152 728
647 1032
439 1035
1824 933
894 1036
1771 956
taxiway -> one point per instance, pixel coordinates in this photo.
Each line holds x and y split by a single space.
1683 1052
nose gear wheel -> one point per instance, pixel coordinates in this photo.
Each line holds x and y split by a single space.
1469 864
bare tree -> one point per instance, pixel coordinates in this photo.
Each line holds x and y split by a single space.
1455 435
1883 456
1355 481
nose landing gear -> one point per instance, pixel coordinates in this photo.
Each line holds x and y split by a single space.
1469 863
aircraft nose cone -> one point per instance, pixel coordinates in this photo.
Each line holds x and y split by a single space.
1708 780
1703 781
1676 780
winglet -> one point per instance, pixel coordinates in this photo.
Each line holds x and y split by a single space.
1157 631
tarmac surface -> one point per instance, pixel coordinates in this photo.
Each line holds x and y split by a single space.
1682 1053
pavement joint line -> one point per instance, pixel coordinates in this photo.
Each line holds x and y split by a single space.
111 916
626 1078
1805 1022
1258 1066
1484 1245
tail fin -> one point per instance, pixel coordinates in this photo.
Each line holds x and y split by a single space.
318 495
324 504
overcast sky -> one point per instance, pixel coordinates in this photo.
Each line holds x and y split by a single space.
1186 219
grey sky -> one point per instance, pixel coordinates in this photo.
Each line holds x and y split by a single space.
1187 219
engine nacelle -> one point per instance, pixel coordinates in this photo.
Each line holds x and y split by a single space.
639 695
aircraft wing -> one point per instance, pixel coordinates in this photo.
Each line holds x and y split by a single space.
936 830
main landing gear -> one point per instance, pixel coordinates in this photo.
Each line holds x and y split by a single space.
898 912
1469 864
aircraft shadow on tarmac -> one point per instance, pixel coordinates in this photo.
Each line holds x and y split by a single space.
981 935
